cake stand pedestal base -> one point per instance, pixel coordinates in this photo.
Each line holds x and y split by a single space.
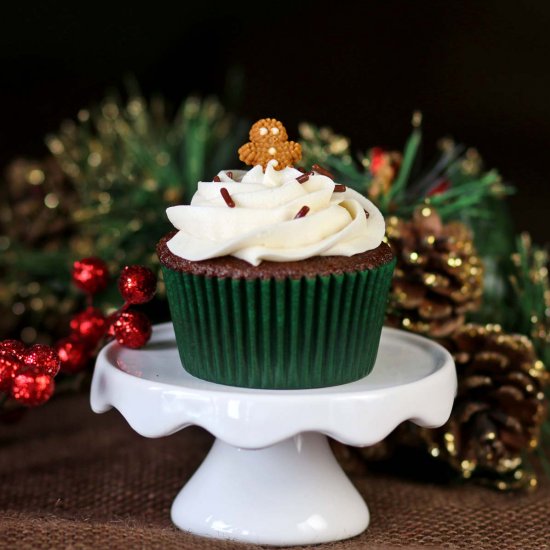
291 493
271 477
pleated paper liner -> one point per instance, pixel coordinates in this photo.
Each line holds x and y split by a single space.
279 334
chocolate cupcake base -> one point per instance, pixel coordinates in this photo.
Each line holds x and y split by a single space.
278 325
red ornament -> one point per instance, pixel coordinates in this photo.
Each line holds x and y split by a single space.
132 329
42 360
12 347
90 325
73 354
137 284
31 388
377 159
111 319
440 188
90 275
10 366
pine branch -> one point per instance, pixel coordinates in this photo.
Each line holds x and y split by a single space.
531 286
129 161
455 182
398 187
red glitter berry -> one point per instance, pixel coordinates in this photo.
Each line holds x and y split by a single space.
132 329
137 284
10 366
111 319
90 275
73 354
31 389
90 325
42 360
12 347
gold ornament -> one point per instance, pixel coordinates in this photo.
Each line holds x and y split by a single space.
384 167
438 276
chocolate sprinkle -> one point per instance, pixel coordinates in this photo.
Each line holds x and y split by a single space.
229 174
301 169
217 178
303 211
227 197
367 215
303 178
339 188
322 171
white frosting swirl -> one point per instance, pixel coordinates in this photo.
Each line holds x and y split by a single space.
262 225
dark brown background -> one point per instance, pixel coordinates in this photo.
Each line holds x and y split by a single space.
477 70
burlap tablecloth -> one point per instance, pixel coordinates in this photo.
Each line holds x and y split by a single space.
73 479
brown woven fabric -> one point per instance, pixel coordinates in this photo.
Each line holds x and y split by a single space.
73 479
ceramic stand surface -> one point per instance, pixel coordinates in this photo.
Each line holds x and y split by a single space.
270 477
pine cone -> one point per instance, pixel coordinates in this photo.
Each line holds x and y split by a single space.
438 277
500 405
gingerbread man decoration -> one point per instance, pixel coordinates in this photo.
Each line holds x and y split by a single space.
268 142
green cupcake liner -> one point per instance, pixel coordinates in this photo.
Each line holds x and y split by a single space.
279 334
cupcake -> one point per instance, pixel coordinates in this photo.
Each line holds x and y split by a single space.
276 278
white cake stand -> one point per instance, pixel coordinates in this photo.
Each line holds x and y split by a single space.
270 477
